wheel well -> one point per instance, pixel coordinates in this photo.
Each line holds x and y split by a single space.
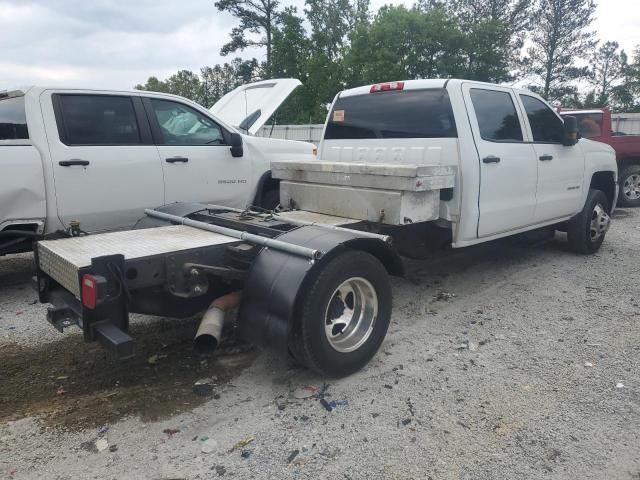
265 184
382 251
604 182
629 161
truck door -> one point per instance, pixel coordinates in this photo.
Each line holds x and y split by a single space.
560 168
196 156
105 167
508 166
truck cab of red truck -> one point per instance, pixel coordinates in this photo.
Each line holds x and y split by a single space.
596 124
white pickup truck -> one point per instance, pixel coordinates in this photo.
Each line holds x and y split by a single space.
100 157
403 167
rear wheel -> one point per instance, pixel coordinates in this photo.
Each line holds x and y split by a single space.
586 231
629 182
344 315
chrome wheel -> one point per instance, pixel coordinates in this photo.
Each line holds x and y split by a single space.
599 223
631 187
351 314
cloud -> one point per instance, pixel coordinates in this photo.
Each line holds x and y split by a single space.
116 43
119 43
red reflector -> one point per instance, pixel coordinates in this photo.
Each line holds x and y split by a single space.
89 291
384 87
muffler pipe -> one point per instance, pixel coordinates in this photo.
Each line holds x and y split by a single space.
210 329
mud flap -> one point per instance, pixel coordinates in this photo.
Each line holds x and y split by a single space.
267 312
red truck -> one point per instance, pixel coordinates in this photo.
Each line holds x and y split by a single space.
596 125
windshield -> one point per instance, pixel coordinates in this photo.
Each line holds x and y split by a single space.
392 114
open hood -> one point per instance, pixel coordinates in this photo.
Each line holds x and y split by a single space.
249 107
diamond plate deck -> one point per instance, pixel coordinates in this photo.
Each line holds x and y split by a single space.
61 259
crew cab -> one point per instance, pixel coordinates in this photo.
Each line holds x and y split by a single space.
596 124
92 160
402 168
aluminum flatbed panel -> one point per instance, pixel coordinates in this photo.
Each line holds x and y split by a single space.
61 259
353 168
317 218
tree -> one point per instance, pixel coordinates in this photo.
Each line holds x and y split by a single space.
184 83
290 46
210 85
608 65
257 17
559 37
406 44
495 31
626 96
154 85
220 79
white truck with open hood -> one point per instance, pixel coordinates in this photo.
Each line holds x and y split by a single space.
93 160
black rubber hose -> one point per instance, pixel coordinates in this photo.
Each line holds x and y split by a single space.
20 233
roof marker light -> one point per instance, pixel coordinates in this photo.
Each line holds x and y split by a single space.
385 87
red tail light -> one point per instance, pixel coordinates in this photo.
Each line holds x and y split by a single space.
94 290
89 291
384 87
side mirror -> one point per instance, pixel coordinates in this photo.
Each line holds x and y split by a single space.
570 136
236 145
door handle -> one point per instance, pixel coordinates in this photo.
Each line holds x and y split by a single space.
546 158
491 159
176 160
72 162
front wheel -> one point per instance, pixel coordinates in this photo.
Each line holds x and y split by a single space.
586 231
343 315
629 182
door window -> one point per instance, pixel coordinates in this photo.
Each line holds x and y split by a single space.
545 125
13 119
98 120
496 115
182 125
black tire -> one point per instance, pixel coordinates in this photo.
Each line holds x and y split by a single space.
580 234
627 178
310 343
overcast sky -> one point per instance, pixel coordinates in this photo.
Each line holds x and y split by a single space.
119 43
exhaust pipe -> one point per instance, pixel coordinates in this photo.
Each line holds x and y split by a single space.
210 329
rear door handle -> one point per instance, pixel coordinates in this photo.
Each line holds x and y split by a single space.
72 162
491 159
176 160
546 158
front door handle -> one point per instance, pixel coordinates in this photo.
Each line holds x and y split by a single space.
72 162
546 158
176 160
491 159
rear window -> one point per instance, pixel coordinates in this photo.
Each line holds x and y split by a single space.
13 119
392 114
98 120
589 124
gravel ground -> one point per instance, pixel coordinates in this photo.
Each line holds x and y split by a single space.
530 371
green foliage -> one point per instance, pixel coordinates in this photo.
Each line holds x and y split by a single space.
559 38
626 95
338 44
210 85
607 69
257 17
404 44
495 32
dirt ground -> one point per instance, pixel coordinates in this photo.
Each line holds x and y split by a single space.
503 361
